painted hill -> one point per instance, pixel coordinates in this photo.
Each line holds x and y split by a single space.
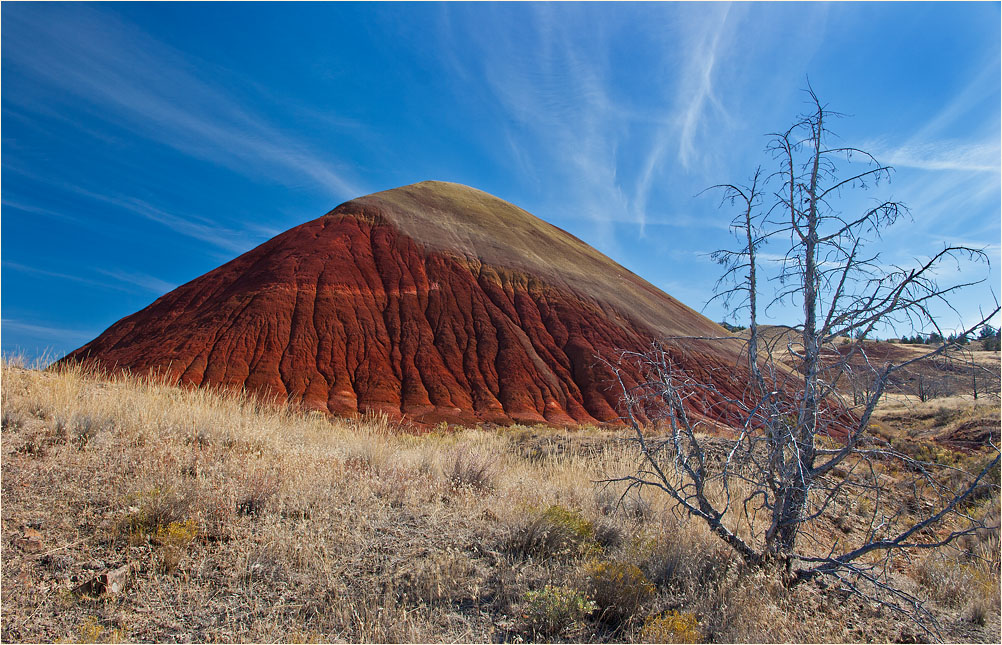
433 301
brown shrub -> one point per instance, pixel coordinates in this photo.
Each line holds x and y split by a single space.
471 471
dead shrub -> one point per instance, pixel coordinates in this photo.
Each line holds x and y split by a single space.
83 428
681 561
471 471
961 580
943 416
11 421
637 509
35 444
984 564
434 578
258 488
59 429
263 564
745 609
217 518
357 611
980 609
608 534
393 485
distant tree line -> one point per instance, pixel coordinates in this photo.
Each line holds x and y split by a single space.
731 328
935 338
988 334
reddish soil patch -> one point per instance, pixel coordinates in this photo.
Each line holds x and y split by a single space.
972 435
434 302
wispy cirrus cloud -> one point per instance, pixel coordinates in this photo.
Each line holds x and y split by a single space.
555 100
124 280
695 107
562 97
947 155
188 225
157 92
45 332
931 148
195 227
26 207
21 268
697 95
945 199
141 280
980 88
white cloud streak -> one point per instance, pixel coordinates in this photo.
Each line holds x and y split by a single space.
696 92
154 91
928 149
59 276
559 93
141 280
38 210
194 227
983 86
947 155
558 96
45 332
126 278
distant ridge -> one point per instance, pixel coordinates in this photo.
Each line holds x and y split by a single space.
434 302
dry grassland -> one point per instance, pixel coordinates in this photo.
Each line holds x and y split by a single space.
231 520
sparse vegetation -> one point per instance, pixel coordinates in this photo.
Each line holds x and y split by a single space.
671 627
620 589
553 611
239 521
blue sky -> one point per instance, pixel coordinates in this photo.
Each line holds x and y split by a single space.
145 144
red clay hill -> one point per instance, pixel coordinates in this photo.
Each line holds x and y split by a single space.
435 302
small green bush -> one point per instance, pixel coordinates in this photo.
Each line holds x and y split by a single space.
571 522
175 539
671 627
556 610
150 510
619 589
557 532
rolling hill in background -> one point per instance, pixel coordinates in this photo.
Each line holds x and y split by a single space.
432 302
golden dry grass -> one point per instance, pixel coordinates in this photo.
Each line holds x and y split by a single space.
243 521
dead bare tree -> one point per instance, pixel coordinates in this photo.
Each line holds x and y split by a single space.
803 452
983 381
929 388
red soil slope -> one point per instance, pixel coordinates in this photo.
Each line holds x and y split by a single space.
433 301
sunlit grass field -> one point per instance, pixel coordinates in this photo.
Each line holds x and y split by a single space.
236 520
